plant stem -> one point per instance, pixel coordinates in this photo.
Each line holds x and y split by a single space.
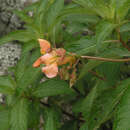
116 41
121 40
124 44
106 59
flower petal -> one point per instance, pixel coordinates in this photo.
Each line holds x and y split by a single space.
67 59
50 71
60 52
48 58
44 45
37 62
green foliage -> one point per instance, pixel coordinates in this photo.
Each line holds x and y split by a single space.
122 117
99 96
52 87
51 119
4 118
19 115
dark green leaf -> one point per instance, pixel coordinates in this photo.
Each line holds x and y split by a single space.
111 72
34 114
52 87
88 101
29 77
82 18
122 117
19 115
4 119
93 63
89 66
20 35
84 126
26 18
125 27
105 103
104 29
21 66
54 11
29 46
121 8
70 125
51 120
6 85
82 46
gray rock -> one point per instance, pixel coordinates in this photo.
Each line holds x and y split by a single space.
9 55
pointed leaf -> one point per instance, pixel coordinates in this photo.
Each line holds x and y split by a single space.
51 120
19 115
105 104
125 27
6 85
82 46
52 87
84 127
88 101
104 29
20 35
54 11
122 117
4 119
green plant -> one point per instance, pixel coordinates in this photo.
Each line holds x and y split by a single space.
96 33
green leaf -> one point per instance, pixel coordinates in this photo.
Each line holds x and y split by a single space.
20 35
69 125
34 114
75 27
52 87
26 18
25 73
51 120
84 127
111 72
125 27
19 115
122 117
105 103
22 65
28 78
87 103
29 46
6 85
54 11
103 30
89 66
82 46
40 15
120 52
11 99
121 8
4 119
82 18
93 63
99 7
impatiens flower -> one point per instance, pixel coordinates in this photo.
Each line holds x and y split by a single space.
51 70
44 45
52 58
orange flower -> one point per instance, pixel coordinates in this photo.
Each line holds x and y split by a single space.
44 45
51 70
52 59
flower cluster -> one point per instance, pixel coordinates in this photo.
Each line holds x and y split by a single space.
52 58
